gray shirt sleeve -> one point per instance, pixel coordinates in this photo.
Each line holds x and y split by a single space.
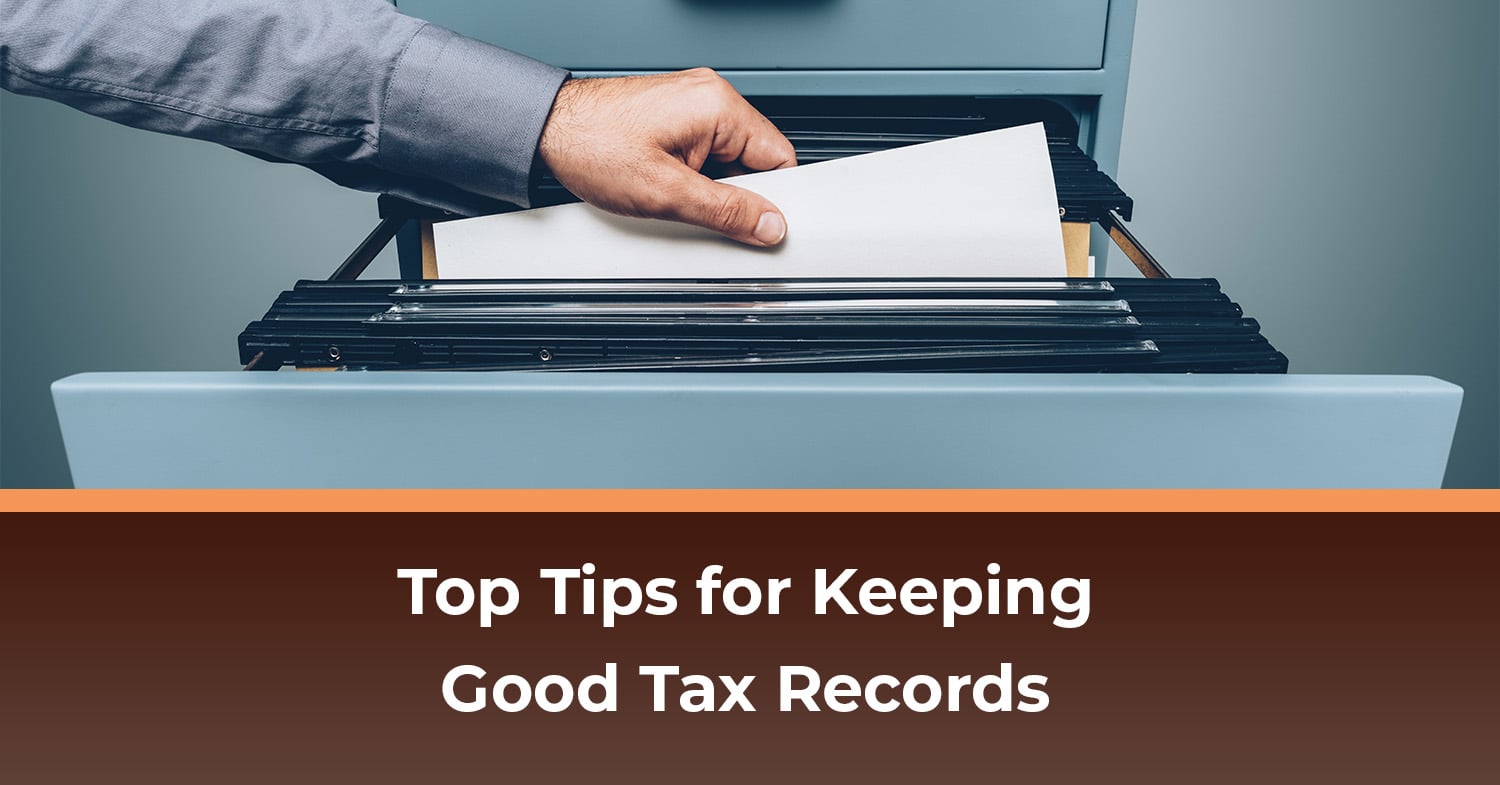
367 96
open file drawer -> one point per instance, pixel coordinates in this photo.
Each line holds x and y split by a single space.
459 429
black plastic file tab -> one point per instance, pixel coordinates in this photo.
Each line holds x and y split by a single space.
908 325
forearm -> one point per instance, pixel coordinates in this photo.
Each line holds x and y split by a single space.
369 97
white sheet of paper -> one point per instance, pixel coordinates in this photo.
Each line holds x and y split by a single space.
979 205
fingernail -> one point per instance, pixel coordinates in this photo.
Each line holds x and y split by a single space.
771 229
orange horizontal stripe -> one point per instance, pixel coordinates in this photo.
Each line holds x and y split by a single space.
564 500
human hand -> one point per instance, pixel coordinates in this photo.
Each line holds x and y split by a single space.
634 145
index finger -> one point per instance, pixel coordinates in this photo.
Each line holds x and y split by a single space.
755 142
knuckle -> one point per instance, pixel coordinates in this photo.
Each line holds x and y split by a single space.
699 77
710 81
727 213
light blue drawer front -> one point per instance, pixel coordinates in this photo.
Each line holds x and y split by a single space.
706 430
793 34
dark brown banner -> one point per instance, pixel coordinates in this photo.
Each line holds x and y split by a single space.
1035 648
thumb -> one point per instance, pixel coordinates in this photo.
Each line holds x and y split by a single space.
734 212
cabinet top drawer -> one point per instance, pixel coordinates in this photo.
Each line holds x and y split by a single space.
785 34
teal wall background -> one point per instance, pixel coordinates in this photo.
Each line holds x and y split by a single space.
1336 163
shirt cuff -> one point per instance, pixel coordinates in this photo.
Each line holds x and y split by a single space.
466 113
